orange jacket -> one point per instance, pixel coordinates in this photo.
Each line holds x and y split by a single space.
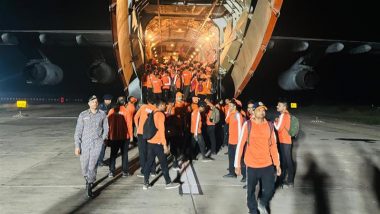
119 129
196 122
186 77
262 148
282 127
141 116
177 81
166 81
235 121
157 84
131 112
144 80
149 79
159 122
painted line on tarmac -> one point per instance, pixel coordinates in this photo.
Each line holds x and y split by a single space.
191 183
57 117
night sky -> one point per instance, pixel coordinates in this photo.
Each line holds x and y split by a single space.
344 78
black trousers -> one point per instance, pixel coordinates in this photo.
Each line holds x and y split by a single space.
166 95
211 136
186 92
267 177
115 146
156 150
226 134
157 96
143 154
144 94
231 158
242 163
287 166
176 148
149 93
198 144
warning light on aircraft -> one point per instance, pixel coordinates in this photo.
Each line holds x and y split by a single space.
21 104
154 48
174 53
172 45
293 105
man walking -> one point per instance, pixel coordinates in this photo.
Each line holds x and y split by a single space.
157 146
282 126
105 106
260 156
90 133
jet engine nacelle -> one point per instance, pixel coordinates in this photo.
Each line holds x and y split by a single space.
43 72
299 77
101 72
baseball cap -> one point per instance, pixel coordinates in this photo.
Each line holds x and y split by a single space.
107 97
259 105
93 97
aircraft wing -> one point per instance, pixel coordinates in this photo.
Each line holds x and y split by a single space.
102 38
300 44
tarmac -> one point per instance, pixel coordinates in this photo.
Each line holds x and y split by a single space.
337 171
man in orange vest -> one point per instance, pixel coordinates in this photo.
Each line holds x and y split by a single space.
139 120
196 131
166 84
157 87
282 126
186 79
235 122
119 121
261 158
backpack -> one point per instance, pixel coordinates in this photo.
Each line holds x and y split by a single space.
149 129
294 126
215 115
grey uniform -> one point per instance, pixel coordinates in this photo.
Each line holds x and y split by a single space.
90 133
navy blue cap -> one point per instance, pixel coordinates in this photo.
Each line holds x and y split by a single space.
107 97
259 104
93 97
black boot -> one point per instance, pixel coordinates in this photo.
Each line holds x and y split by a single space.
89 190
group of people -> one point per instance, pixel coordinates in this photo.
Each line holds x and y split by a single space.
163 81
188 124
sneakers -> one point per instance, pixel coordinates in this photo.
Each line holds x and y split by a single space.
176 168
206 159
171 185
153 175
229 176
140 175
262 209
245 187
111 175
147 186
243 180
125 174
287 185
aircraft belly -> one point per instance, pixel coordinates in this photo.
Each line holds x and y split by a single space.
257 37
233 44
